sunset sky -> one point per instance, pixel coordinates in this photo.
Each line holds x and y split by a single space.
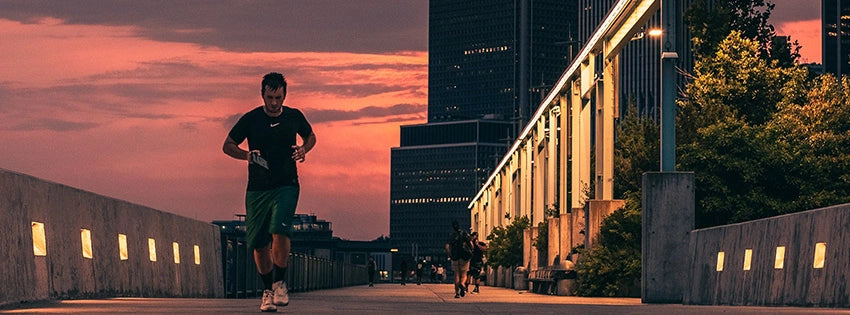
133 99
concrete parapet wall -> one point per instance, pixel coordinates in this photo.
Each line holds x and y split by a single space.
64 273
800 277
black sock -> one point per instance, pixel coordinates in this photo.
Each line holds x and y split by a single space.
267 280
279 273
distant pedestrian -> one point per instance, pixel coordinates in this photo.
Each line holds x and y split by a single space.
419 267
459 248
441 273
371 267
433 273
404 272
272 192
476 263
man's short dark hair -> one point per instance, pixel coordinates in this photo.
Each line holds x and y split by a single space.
274 81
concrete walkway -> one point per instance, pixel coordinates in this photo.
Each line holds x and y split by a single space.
397 299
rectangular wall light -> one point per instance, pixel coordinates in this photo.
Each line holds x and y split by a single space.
176 248
85 236
152 249
197 255
720 257
39 240
748 258
779 263
122 247
820 255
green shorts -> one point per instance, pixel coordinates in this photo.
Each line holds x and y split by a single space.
269 212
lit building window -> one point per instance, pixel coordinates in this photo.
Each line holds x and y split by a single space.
85 236
39 241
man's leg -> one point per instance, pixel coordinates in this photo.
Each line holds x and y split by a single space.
263 260
280 255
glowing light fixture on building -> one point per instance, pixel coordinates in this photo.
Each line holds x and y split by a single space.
748 258
122 247
720 257
779 263
176 248
820 255
152 249
39 240
197 255
85 236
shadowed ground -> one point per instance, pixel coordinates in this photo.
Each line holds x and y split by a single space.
396 299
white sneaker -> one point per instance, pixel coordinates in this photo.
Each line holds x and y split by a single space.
281 294
267 305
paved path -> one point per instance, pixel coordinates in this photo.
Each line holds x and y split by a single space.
396 299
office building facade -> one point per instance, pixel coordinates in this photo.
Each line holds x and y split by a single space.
836 36
640 60
490 64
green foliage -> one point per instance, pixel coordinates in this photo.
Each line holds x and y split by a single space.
711 21
636 151
541 242
760 142
505 244
814 134
612 266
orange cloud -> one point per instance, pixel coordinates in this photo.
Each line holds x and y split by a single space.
104 109
808 33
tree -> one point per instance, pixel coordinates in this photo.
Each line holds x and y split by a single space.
636 151
612 266
505 244
741 173
711 21
815 133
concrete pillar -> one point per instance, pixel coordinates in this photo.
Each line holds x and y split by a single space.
534 259
577 224
667 220
598 210
554 242
565 244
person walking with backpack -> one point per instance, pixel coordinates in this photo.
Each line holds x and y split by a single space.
459 249
476 263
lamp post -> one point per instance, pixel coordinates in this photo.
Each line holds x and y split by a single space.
669 58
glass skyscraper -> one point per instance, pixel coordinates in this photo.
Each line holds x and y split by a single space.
490 64
836 36
640 60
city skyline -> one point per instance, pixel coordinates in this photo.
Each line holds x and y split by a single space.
133 101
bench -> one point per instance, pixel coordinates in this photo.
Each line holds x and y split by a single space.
544 280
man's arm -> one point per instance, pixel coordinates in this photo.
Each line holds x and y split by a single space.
232 149
448 250
299 153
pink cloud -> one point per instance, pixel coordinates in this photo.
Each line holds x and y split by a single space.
103 109
808 33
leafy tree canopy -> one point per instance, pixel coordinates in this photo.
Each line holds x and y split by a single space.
505 244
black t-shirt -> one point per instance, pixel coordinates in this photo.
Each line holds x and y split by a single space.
274 137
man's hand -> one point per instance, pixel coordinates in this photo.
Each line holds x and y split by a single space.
298 153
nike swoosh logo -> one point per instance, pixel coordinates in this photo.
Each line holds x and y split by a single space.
274 125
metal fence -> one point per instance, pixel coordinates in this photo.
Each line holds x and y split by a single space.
306 273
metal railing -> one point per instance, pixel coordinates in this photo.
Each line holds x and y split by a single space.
305 273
